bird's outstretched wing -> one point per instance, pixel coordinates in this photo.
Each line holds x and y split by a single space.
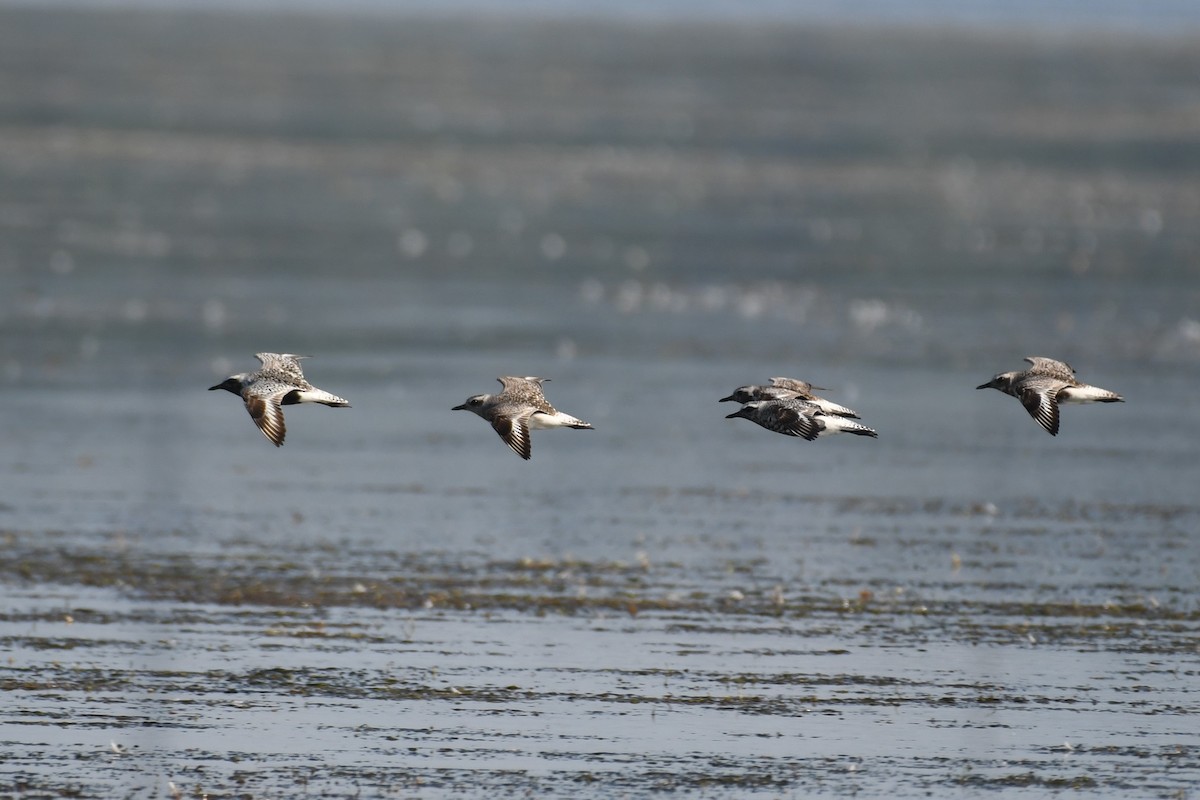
285 365
514 430
1051 366
267 412
1040 398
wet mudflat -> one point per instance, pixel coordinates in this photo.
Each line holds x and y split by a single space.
880 646
260 676
395 605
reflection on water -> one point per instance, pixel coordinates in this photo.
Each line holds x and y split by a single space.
649 217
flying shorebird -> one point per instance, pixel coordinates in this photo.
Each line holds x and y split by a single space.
280 382
795 417
1044 386
788 389
519 408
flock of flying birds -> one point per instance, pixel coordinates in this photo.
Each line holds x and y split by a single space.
786 405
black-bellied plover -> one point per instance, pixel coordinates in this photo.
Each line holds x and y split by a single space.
1045 385
518 408
788 389
280 382
794 417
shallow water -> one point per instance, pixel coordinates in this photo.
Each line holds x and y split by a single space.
394 604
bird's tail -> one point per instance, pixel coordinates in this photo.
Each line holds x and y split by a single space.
557 420
835 424
833 408
315 395
1089 394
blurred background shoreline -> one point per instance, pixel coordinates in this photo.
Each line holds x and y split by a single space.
1166 17
652 169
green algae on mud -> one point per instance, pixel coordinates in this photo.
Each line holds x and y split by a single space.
384 580
437 698
455 663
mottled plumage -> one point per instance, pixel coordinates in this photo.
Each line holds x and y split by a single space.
280 382
796 385
519 407
794 417
1044 386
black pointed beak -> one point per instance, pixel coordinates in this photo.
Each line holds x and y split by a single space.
725 399
463 407
987 385
737 413
218 386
